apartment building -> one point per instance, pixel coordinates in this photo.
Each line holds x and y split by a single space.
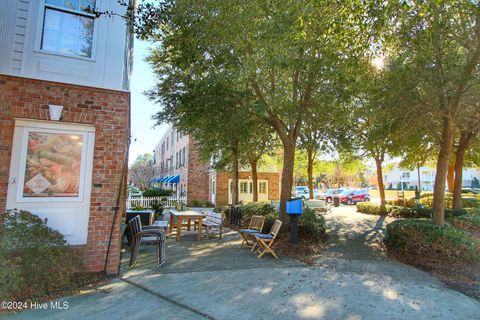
179 167
408 179
64 114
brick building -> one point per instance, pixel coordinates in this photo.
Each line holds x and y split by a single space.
179 167
64 114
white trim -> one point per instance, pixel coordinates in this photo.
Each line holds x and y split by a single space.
53 125
39 32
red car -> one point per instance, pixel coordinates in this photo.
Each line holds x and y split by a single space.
354 196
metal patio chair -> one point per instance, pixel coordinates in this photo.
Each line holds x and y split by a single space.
146 235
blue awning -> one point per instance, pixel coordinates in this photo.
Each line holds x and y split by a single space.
164 179
173 179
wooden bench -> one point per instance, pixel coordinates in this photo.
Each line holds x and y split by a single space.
320 206
212 220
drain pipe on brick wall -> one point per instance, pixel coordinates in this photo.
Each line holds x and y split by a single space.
117 208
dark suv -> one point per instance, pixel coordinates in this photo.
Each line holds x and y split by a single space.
354 196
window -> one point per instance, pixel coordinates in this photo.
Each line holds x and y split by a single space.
262 187
68 27
176 160
251 187
183 156
213 186
406 175
243 187
167 143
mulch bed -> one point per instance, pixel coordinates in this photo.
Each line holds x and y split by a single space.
307 249
458 274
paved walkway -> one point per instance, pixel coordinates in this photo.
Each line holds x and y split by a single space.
217 280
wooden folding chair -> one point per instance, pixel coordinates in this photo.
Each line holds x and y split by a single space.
265 241
255 226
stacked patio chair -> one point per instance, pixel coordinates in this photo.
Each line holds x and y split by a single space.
265 241
255 226
146 235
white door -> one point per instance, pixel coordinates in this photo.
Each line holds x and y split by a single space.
51 174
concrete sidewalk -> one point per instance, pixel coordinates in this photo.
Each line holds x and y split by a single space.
217 280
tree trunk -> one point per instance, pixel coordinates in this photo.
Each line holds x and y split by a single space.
463 144
235 173
419 189
287 178
451 177
381 187
441 174
310 173
253 165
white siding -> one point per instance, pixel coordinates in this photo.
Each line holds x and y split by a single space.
20 54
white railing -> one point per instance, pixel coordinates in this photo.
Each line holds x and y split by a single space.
146 202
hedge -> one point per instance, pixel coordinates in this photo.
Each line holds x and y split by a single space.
421 237
403 212
157 192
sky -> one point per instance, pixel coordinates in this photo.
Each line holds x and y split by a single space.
144 135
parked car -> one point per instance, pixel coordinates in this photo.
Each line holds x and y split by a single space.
353 196
301 192
328 194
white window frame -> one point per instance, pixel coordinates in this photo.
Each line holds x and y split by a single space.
260 189
40 23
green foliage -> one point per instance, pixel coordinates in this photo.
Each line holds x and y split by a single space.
256 208
138 207
157 192
410 203
470 202
201 203
393 211
469 222
421 237
35 260
311 225
157 206
269 221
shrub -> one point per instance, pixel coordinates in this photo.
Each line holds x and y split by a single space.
137 207
410 203
372 208
35 259
404 212
421 237
311 225
269 221
200 203
468 202
469 222
157 192
256 208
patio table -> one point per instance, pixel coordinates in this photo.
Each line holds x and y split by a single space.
189 216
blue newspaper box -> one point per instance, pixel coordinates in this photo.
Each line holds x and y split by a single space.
295 206
294 210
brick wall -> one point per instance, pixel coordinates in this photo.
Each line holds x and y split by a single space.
197 182
222 184
109 111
